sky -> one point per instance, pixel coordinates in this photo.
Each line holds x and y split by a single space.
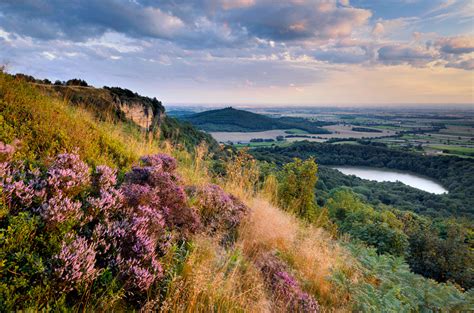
252 52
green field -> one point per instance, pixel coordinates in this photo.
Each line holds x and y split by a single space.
263 144
468 151
346 143
296 131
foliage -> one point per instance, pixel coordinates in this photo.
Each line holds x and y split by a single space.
379 229
389 286
436 249
440 249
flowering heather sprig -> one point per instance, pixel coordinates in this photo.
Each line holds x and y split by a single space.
109 202
136 195
138 277
20 187
60 209
162 161
285 288
6 152
17 193
76 262
68 173
104 178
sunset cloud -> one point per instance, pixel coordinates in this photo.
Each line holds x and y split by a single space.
244 47
456 45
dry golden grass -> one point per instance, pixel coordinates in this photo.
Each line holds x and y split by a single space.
193 166
310 251
216 280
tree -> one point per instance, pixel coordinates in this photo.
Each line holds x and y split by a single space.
297 181
77 82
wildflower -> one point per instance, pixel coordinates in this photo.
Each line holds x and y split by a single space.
285 288
6 151
104 178
18 193
219 210
68 173
107 203
138 277
60 209
162 161
76 262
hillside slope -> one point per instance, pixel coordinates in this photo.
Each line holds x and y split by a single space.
79 106
156 231
230 120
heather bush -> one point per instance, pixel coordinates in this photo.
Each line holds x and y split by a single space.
285 287
157 185
220 212
68 174
86 229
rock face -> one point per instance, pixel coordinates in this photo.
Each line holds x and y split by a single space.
143 111
139 114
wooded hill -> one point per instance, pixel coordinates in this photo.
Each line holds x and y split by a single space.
234 120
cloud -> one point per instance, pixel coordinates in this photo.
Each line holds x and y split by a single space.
298 20
463 64
456 45
404 54
344 55
378 29
215 22
210 46
78 20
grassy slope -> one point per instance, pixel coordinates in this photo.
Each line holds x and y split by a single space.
46 126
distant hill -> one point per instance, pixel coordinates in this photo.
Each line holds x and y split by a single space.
233 120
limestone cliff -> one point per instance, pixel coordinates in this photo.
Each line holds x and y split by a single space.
114 103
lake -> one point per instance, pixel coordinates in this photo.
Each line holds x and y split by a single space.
381 175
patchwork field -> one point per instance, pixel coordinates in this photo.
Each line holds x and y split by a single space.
337 131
